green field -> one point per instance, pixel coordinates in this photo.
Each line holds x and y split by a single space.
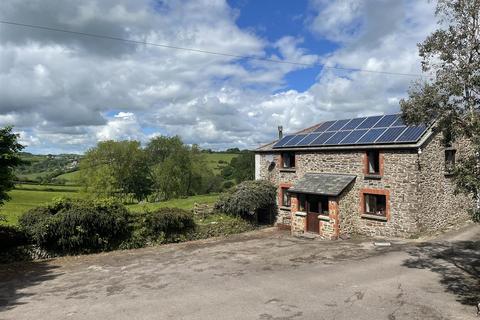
70 177
213 160
27 196
184 203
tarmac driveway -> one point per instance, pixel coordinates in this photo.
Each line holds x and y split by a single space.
260 275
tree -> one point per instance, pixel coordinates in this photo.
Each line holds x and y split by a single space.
240 168
116 168
451 98
9 159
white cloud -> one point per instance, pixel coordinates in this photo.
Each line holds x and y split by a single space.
123 126
58 89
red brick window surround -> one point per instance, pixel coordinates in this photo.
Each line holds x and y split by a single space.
375 204
373 163
284 198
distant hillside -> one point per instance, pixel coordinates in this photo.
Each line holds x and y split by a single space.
64 168
46 168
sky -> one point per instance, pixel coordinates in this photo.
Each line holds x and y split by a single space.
63 93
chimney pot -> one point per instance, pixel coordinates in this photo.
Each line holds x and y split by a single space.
280 132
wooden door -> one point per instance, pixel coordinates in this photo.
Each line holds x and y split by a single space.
313 223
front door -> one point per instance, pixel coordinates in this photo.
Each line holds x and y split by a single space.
313 223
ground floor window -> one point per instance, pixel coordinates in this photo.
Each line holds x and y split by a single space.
286 198
313 203
375 204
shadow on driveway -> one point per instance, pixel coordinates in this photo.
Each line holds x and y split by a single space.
457 263
18 276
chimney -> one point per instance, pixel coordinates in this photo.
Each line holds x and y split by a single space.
280 132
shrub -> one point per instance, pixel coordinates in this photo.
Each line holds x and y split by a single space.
77 226
223 226
165 224
248 198
11 237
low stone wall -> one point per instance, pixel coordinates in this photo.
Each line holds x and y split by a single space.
202 210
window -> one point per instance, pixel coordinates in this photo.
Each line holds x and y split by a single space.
288 160
302 199
286 198
373 162
449 160
313 204
375 204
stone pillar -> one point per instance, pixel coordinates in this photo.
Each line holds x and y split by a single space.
329 225
299 219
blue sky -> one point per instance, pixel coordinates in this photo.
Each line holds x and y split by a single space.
64 93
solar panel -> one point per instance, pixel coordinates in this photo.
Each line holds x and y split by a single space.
308 139
283 141
391 134
324 126
337 137
369 122
411 134
398 122
354 136
338 125
386 121
371 136
353 124
323 137
365 130
295 140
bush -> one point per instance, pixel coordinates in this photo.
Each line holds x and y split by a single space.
164 225
248 198
223 226
77 226
11 237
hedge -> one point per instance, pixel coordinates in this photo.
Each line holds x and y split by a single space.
77 226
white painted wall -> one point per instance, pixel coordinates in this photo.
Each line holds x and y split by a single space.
257 167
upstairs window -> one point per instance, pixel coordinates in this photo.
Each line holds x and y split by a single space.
288 160
373 162
286 198
450 160
375 204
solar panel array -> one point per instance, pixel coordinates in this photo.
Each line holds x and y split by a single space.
387 129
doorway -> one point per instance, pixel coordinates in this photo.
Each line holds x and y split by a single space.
314 205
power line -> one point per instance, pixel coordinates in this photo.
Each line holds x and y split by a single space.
99 36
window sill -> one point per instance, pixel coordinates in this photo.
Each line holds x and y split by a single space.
300 214
287 169
285 208
323 217
374 217
373 176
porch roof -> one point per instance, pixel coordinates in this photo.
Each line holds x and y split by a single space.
329 184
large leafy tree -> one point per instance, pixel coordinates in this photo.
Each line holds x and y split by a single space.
9 159
116 168
451 97
241 167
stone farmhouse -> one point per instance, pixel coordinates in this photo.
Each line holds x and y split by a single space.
371 176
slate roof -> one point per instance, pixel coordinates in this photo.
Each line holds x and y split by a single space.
328 184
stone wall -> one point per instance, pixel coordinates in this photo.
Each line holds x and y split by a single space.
439 206
421 195
399 177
